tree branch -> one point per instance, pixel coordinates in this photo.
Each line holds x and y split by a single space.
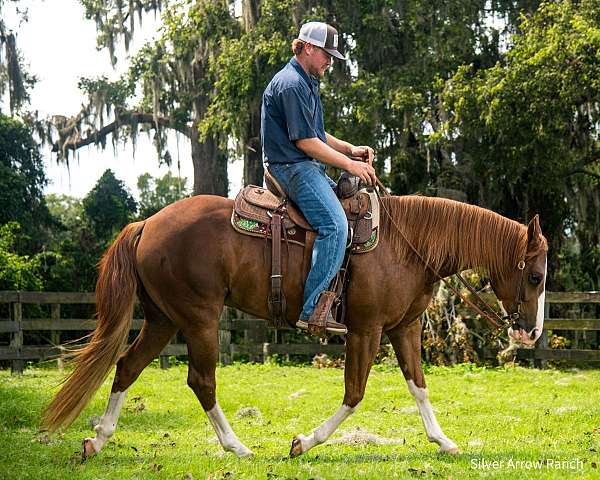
586 172
74 142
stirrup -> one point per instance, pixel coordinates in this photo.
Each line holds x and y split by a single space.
330 326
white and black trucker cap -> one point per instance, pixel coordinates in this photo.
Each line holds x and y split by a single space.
321 35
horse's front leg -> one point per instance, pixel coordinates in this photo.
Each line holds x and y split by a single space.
360 354
407 345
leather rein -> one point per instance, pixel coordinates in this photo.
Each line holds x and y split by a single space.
484 309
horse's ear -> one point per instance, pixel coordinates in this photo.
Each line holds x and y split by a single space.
534 234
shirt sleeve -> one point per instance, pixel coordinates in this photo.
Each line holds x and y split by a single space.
296 106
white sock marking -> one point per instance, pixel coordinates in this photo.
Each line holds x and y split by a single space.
432 428
539 321
227 437
108 423
324 431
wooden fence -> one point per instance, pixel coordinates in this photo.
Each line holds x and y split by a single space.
583 329
238 337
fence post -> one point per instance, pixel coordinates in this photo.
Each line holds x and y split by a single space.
55 334
257 336
266 351
225 357
16 343
164 361
542 343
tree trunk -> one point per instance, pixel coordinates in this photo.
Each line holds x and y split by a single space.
253 165
250 13
210 167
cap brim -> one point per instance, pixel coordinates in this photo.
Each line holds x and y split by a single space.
335 53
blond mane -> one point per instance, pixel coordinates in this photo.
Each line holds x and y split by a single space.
447 233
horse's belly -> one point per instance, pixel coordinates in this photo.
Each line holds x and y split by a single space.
250 277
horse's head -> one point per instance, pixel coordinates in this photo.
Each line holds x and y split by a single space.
522 293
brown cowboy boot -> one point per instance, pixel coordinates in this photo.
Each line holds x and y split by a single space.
321 320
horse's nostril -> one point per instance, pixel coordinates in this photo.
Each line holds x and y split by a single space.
532 333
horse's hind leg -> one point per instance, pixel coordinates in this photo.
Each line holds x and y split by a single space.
407 345
154 335
202 340
361 350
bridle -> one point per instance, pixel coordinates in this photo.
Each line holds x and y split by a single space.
511 320
497 321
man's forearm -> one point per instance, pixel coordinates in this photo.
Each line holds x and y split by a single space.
321 151
339 145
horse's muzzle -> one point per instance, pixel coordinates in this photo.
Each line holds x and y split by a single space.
523 337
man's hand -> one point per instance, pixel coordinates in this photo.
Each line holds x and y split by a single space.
363 170
363 153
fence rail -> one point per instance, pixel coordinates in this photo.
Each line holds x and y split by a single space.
251 334
542 352
254 333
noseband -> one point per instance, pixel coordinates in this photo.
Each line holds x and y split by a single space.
499 323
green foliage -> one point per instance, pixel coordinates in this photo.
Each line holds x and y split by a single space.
106 94
22 181
117 19
14 78
497 100
157 193
109 206
245 65
73 267
167 86
17 272
527 128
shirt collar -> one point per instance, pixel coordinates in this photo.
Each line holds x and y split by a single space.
310 80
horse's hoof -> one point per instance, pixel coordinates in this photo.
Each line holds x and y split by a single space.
245 453
296 449
450 451
88 449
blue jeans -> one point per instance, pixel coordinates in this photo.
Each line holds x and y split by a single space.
309 187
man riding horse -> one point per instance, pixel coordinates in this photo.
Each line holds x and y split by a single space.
296 151
422 239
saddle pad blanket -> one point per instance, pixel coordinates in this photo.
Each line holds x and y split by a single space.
257 203
249 226
251 216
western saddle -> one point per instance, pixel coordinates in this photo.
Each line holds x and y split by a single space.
270 214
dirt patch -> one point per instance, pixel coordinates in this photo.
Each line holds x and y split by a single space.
294 395
249 413
362 437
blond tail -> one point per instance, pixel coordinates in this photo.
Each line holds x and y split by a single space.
115 290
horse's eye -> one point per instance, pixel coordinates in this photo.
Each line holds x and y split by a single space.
535 278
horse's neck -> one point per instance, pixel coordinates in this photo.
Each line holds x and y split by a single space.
454 236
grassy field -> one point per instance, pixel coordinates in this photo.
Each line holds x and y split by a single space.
514 417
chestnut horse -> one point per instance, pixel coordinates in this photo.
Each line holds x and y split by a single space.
186 262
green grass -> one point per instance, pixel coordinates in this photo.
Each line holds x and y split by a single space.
504 415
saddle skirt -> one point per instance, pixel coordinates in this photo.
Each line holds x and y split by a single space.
254 207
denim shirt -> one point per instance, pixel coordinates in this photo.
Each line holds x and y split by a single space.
291 110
